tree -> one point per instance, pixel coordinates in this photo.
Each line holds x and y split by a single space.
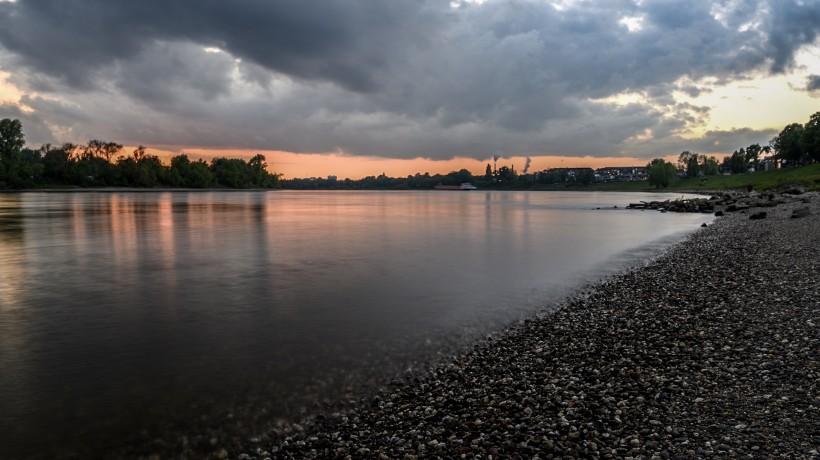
56 164
11 140
488 173
103 150
709 166
259 171
585 176
688 161
810 140
199 175
232 172
787 143
753 156
737 162
693 167
660 172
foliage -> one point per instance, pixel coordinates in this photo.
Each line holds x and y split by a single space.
660 172
807 176
91 165
11 140
810 140
753 153
697 165
787 143
710 166
798 144
737 162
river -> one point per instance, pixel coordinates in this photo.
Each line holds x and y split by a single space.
124 315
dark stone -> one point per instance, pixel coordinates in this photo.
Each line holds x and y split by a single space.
758 215
801 212
794 190
703 225
718 213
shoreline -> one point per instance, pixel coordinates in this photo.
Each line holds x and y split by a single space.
708 350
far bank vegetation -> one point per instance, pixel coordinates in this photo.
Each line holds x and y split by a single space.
790 157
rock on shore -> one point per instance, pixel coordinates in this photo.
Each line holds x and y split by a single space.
727 201
710 351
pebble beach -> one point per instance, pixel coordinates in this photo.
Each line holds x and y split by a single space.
710 350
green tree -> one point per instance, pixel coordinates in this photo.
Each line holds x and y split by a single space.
660 172
585 176
737 162
787 143
56 164
753 153
11 140
259 171
810 140
199 175
709 166
103 150
688 161
180 168
232 172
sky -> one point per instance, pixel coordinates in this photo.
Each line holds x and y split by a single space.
362 87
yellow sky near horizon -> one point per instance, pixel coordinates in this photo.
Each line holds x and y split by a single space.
764 102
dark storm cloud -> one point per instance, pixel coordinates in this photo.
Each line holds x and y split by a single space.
793 24
398 78
344 41
813 84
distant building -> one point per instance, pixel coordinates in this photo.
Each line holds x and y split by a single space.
768 164
620 174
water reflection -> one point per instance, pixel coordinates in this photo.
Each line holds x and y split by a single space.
124 313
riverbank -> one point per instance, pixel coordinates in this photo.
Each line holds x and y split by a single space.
709 350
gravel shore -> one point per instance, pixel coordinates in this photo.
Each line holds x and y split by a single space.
710 350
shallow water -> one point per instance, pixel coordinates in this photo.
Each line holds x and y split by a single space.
128 313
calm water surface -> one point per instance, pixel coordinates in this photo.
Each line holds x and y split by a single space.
123 315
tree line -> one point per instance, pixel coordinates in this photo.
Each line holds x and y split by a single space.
100 163
504 177
795 145
104 164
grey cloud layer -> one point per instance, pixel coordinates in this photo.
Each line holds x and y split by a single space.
402 78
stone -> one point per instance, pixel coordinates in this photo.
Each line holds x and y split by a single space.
793 190
758 215
801 212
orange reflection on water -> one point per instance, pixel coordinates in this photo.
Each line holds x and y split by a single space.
123 232
165 228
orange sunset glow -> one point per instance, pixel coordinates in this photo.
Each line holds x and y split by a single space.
300 165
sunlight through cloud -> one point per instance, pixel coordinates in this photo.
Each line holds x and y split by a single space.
633 24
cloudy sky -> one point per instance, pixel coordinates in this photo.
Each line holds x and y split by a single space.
357 87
